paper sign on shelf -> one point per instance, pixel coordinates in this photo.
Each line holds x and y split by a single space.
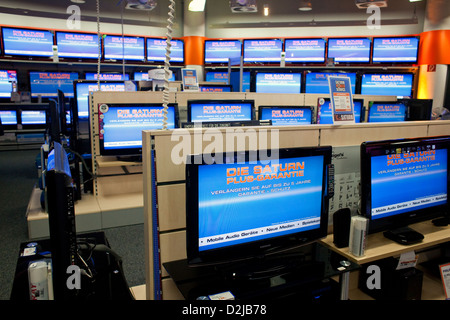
190 82
341 100
407 260
445 276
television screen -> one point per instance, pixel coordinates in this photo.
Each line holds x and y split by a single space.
278 82
387 84
221 76
263 50
355 50
304 50
156 50
77 45
215 88
220 110
317 82
128 48
121 125
325 114
286 115
220 51
33 117
404 181
7 77
386 112
9 118
107 76
27 42
246 204
404 49
139 76
47 84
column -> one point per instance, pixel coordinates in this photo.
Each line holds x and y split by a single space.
194 36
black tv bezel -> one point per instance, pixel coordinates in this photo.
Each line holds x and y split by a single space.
403 62
34 95
310 108
350 61
369 149
221 101
386 73
250 249
123 59
307 61
220 40
25 56
73 58
177 63
371 103
136 150
34 107
261 61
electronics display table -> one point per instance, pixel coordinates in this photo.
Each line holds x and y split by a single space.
310 278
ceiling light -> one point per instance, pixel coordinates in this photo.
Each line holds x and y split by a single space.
414 0
266 10
78 1
197 5
305 5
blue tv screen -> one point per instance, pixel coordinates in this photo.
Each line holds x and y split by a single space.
128 48
27 42
214 111
278 82
304 50
77 45
387 84
156 50
138 76
7 77
386 112
214 88
107 76
221 76
47 84
356 50
8 117
264 50
219 51
391 50
33 117
325 114
317 82
286 115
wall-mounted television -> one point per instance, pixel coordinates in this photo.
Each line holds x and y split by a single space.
123 48
286 115
121 125
156 50
27 42
262 50
325 114
244 204
349 50
220 51
317 82
304 50
77 45
395 50
7 78
269 82
399 85
382 111
220 110
107 76
47 84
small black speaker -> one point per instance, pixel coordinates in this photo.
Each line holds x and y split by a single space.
341 227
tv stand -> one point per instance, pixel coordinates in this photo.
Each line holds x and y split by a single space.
404 235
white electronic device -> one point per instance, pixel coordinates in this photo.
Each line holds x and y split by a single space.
40 280
358 235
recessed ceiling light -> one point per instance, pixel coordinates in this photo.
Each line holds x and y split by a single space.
305 5
78 1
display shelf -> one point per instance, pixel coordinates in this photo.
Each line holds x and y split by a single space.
108 162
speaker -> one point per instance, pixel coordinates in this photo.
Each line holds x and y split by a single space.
341 227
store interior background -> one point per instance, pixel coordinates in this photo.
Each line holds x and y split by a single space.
328 18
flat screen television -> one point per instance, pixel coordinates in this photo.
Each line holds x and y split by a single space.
47 84
325 115
107 76
34 116
77 45
215 88
222 76
304 50
8 116
395 50
7 80
121 125
262 50
156 50
382 111
139 76
349 50
317 82
27 42
251 204
123 48
404 181
220 110
269 82
220 51
399 85
286 115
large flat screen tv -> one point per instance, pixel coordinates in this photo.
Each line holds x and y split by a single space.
399 85
404 181
286 115
317 82
47 84
382 111
27 42
7 78
269 82
349 50
262 50
247 205
325 114
8 115
220 51
220 110
156 50
123 48
77 45
304 50
395 50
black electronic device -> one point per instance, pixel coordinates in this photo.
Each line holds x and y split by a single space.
418 109
341 227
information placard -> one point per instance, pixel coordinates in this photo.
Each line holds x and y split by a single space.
341 100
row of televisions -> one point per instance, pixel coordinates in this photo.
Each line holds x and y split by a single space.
71 45
121 125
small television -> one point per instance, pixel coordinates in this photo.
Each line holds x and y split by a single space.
269 82
325 114
215 88
404 181
395 50
286 115
7 80
349 50
262 50
27 42
156 50
47 84
123 48
77 45
399 85
382 111
304 50
34 116
220 51
255 203
8 116
107 76
220 110
317 82
121 125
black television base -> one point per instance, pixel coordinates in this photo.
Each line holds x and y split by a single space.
405 236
